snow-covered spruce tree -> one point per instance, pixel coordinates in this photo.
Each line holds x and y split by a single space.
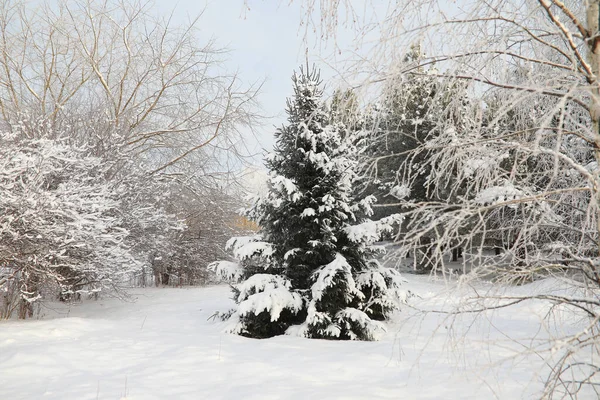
309 272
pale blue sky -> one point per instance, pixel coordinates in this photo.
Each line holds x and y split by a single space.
266 43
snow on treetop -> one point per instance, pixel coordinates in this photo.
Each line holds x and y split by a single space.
307 85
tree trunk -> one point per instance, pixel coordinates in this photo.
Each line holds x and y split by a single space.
593 22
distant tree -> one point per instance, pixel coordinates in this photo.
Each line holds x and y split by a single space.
398 126
210 219
344 108
395 161
310 271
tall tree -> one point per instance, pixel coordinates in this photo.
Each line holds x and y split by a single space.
317 277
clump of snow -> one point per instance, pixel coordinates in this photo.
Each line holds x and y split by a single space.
238 241
253 249
385 286
308 212
366 232
328 203
264 292
324 278
400 191
274 301
369 232
482 158
260 283
364 205
287 186
593 167
498 194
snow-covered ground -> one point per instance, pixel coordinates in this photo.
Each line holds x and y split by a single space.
163 346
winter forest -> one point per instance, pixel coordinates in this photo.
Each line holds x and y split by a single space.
416 216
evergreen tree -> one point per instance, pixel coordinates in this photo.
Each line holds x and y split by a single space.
309 272
398 128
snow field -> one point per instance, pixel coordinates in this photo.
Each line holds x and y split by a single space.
162 346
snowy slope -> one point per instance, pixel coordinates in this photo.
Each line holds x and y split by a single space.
163 347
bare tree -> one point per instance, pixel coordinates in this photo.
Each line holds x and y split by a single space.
155 87
150 102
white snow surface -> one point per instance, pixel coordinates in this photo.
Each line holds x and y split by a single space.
164 346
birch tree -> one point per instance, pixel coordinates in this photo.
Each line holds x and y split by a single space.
526 156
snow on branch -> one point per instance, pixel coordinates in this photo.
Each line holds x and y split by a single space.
325 277
226 270
370 232
247 247
498 194
264 293
350 317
